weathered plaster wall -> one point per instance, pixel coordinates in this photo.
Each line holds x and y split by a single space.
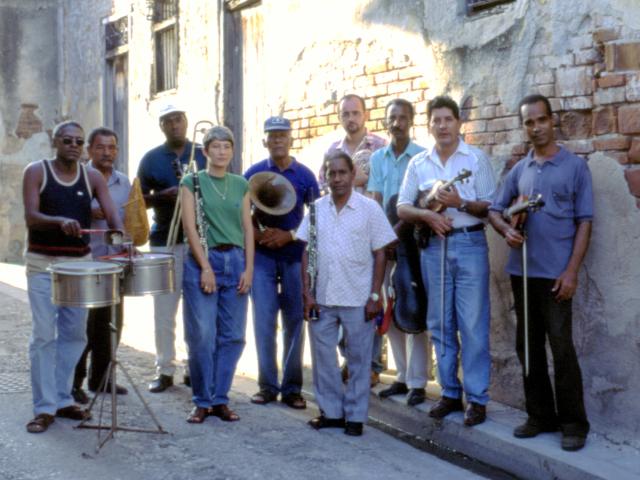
199 74
50 72
29 106
417 49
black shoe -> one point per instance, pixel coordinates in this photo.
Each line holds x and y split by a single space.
187 380
396 388
324 422
263 397
475 414
530 430
160 383
445 406
353 429
416 396
571 443
79 395
294 400
120 390
344 373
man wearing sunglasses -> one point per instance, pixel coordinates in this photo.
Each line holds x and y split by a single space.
57 198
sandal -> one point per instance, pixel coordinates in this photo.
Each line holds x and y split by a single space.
224 413
198 414
294 400
263 397
40 423
73 412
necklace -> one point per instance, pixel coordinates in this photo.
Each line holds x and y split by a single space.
213 184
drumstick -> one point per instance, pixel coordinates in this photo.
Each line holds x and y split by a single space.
86 231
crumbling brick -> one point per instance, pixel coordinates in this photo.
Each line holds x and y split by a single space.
633 181
612 142
629 119
622 56
604 120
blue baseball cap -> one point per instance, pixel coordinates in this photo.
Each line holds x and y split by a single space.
275 124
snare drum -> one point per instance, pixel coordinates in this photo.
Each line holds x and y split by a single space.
148 274
85 284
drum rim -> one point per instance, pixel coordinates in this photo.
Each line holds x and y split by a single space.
106 268
146 259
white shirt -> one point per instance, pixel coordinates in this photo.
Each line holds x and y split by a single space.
426 168
346 240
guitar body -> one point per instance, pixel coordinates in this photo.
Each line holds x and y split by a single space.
427 198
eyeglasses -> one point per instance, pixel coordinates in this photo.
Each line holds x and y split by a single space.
68 141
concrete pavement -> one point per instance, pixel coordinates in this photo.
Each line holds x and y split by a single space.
272 440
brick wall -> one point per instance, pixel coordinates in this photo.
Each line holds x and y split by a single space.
377 84
594 90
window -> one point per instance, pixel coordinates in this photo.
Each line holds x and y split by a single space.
474 6
116 34
164 16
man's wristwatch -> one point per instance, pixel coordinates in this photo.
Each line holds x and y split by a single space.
374 297
463 207
293 234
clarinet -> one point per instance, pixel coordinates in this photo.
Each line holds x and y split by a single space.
312 255
201 222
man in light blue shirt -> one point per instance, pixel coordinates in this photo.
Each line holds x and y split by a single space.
103 152
388 165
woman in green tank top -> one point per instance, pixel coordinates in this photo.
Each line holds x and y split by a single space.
218 272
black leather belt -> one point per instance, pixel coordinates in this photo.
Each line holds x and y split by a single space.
224 247
473 228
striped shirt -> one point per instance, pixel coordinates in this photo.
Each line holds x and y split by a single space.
426 168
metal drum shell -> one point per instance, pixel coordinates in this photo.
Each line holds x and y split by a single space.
148 274
87 284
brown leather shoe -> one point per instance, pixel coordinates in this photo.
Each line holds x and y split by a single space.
73 412
294 400
40 423
198 414
475 414
445 406
375 379
224 413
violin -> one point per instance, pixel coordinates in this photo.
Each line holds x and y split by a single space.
516 214
427 198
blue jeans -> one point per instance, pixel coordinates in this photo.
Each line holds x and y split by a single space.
277 285
214 325
58 337
466 300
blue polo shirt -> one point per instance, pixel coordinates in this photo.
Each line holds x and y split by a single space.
565 184
387 170
157 171
306 186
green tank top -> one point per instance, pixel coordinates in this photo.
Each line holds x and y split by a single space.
222 206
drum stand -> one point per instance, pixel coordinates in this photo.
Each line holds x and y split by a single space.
109 380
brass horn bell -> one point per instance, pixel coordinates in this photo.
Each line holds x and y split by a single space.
272 193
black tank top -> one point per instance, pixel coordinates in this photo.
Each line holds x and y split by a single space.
71 200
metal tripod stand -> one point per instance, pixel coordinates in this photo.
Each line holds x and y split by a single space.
109 383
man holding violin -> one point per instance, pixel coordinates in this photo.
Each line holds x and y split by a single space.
455 263
558 236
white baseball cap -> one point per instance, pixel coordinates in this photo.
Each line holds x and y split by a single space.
168 108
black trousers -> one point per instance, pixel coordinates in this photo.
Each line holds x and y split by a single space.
549 319
99 345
